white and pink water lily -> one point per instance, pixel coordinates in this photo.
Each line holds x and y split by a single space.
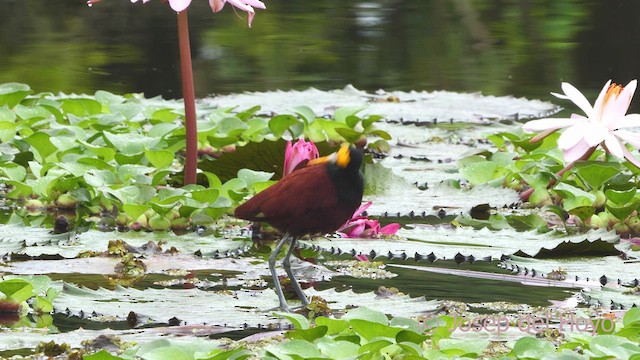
605 123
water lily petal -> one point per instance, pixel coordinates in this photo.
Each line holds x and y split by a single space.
632 138
354 229
179 5
572 135
632 159
597 106
240 4
362 209
250 18
630 120
561 96
361 257
216 5
576 152
578 98
256 3
616 109
390 229
550 124
594 133
613 146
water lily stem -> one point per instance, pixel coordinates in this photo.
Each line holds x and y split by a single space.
524 196
188 94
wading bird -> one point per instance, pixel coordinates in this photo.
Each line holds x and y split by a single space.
317 198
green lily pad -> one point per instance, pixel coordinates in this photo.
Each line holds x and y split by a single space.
12 94
596 173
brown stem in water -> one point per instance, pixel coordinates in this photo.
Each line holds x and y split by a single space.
524 196
189 96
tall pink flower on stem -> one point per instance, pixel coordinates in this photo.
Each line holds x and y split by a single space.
298 154
360 226
216 5
605 124
186 71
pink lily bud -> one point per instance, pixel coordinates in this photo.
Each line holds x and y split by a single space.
296 154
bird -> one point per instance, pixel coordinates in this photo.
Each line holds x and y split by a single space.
317 198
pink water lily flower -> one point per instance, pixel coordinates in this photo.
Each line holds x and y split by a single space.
216 5
244 5
360 226
604 123
296 154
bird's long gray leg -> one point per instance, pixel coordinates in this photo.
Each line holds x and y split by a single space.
272 268
286 264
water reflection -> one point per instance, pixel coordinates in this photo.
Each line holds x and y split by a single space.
525 48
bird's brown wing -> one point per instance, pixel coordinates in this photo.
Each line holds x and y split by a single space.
303 202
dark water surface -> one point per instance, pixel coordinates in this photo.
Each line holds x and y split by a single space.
524 48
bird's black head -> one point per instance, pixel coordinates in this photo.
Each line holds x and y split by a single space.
348 158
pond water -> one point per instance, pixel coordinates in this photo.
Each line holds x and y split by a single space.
523 48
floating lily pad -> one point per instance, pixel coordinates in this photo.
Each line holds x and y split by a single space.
227 308
448 243
602 269
32 241
420 106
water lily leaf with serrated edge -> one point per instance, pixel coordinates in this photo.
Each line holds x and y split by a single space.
34 241
447 243
390 193
412 106
583 267
250 306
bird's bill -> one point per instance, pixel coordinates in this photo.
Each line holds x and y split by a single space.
321 160
341 158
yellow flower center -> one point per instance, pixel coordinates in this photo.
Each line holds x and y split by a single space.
613 91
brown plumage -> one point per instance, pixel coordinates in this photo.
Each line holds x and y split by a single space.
318 198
